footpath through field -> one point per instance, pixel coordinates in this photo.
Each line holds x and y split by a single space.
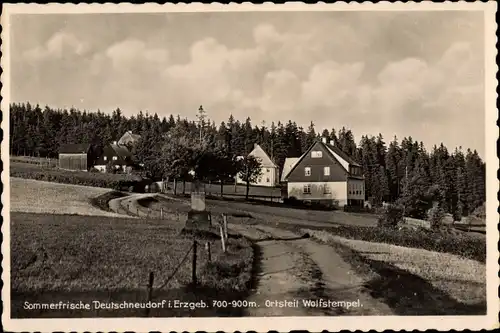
293 268
298 270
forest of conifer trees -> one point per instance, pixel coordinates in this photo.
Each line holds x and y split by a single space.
396 169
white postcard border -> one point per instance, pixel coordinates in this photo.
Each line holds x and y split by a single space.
260 324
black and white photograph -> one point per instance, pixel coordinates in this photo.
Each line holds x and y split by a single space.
249 167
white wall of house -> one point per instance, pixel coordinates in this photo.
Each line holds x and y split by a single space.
101 168
319 191
356 189
268 177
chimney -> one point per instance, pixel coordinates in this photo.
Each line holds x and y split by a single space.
114 142
332 142
255 145
324 140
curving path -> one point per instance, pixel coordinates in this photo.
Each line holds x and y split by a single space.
295 268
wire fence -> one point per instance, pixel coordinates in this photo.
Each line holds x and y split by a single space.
193 251
179 265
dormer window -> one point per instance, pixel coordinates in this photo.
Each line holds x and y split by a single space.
307 171
355 171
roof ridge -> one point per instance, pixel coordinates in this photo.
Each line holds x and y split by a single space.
257 146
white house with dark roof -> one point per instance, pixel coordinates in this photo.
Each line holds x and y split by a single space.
118 156
269 175
324 173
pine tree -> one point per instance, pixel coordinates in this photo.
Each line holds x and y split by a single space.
456 180
392 160
310 137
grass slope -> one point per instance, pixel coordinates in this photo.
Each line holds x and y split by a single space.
453 242
72 258
33 196
415 281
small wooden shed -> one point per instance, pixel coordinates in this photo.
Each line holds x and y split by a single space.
77 156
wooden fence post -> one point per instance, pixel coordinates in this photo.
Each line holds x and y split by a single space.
224 216
209 251
195 245
150 291
222 238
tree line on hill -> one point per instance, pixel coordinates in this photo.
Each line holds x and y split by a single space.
402 171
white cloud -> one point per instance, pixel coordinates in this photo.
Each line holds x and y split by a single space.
329 82
60 45
322 75
133 53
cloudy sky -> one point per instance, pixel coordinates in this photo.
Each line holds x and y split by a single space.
398 73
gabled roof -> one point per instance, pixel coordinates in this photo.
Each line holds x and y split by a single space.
129 136
265 160
288 165
331 149
74 148
121 150
342 154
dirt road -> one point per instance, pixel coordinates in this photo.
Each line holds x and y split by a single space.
298 270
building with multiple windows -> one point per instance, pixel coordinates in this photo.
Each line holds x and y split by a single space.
325 174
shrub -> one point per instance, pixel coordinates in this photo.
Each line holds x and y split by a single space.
391 216
436 217
110 167
446 242
480 212
231 270
105 180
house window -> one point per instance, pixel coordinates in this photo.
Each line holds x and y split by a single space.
307 171
115 158
316 154
267 170
326 171
105 158
267 179
307 189
327 189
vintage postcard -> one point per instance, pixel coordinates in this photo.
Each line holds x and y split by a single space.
249 167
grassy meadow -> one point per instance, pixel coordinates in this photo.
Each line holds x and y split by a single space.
415 281
69 257
33 196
